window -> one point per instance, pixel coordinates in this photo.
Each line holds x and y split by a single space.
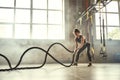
114 33
22 31
39 30
40 4
40 16
55 4
22 16
6 31
112 6
54 30
55 17
32 19
23 3
6 3
5 17
113 21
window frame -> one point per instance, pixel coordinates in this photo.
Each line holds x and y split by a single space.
109 25
31 9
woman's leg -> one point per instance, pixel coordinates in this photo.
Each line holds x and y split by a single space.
78 53
88 52
87 45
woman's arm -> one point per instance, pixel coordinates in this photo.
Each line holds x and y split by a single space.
76 45
82 41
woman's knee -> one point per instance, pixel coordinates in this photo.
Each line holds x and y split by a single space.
88 44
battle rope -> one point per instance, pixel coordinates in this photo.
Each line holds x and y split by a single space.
46 54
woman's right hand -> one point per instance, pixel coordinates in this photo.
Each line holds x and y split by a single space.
75 51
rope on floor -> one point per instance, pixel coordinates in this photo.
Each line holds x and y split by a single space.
44 62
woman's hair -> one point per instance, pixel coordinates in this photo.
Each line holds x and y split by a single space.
76 31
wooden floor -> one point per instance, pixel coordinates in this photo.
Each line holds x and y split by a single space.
57 72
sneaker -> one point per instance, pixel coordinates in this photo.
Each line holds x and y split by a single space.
90 64
75 64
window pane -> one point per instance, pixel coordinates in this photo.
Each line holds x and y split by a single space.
112 6
55 32
114 33
6 3
39 16
97 18
22 31
97 32
113 19
22 16
55 17
6 31
6 15
55 4
42 4
39 32
23 3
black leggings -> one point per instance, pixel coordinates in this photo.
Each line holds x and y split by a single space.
86 45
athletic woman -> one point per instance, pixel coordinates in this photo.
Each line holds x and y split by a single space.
81 44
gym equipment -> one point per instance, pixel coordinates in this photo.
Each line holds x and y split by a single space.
92 38
103 40
94 8
45 59
86 18
102 33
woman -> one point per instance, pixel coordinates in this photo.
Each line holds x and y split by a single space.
81 44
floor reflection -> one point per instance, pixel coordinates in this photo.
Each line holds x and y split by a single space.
57 72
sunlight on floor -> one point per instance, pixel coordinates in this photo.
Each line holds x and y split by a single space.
57 72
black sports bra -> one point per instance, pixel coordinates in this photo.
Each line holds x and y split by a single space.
80 39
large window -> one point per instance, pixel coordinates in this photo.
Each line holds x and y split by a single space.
112 21
32 19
